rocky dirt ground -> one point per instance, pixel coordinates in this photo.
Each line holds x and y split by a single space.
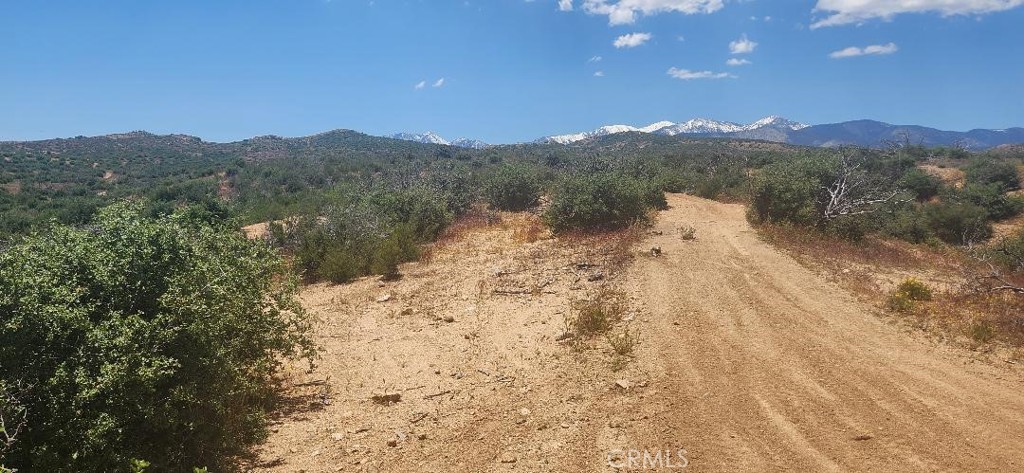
747 361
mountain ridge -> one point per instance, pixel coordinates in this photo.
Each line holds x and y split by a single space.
868 133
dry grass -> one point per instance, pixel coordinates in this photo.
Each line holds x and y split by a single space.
596 315
476 219
532 231
955 311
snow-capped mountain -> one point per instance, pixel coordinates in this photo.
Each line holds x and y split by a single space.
777 122
470 143
435 139
701 126
767 127
427 137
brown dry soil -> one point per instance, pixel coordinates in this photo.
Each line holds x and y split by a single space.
748 361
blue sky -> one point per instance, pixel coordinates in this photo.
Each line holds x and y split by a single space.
512 70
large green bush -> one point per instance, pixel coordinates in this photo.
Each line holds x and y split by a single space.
603 200
141 340
994 171
512 187
790 191
370 235
958 223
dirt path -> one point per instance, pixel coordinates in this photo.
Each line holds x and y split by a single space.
748 362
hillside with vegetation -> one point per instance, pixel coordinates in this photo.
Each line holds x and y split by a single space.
162 339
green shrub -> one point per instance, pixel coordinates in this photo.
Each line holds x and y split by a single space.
958 223
907 293
604 200
512 187
915 290
923 185
909 225
789 192
997 204
993 171
142 341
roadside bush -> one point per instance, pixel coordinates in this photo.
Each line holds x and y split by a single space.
789 192
601 201
512 187
907 293
142 341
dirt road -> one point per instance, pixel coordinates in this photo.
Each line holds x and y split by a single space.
748 362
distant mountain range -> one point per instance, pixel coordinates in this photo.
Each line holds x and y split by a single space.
867 133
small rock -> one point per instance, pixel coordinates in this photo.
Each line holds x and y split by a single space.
384 298
597 276
393 443
407 311
861 438
524 412
508 459
565 425
380 284
448 319
624 384
386 399
337 436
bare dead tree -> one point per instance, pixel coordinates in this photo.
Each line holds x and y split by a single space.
854 191
994 279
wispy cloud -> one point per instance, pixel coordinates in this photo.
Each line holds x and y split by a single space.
873 50
595 59
420 85
565 5
844 12
632 40
737 62
438 83
686 74
742 46
625 12
599 74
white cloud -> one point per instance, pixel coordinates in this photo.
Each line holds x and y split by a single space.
874 49
844 12
742 46
632 40
439 83
565 5
595 59
624 12
737 62
686 74
599 74
421 84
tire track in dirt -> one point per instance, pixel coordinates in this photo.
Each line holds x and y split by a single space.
748 361
779 370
